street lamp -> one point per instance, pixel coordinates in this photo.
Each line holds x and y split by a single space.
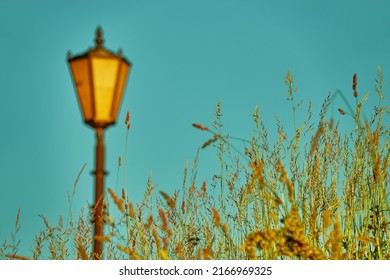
99 76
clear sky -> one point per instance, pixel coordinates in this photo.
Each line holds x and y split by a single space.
187 56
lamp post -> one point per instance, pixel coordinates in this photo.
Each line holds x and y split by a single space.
99 76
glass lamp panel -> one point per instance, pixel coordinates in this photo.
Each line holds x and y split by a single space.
120 88
104 71
82 79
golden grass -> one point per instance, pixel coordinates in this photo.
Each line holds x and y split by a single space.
327 198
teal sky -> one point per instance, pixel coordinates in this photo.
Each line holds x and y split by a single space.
187 56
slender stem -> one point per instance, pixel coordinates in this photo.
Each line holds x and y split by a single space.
127 184
126 161
99 193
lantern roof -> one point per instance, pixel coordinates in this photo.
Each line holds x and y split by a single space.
99 49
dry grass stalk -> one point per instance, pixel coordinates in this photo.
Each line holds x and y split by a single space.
171 202
17 257
210 141
156 238
335 241
81 251
258 170
131 253
118 201
199 126
163 216
284 179
102 238
131 211
216 217
17 219
314 141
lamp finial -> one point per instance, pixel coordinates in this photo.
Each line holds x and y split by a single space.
99 37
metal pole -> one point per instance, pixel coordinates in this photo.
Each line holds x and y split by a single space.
99 194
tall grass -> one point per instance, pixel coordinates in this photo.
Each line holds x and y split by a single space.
317 194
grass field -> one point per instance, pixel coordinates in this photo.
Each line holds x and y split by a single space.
317 195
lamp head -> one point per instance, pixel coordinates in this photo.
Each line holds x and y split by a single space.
100 77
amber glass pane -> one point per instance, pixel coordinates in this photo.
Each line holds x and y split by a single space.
82 80
104 71
121 84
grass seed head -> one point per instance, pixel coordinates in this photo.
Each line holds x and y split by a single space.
201 127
